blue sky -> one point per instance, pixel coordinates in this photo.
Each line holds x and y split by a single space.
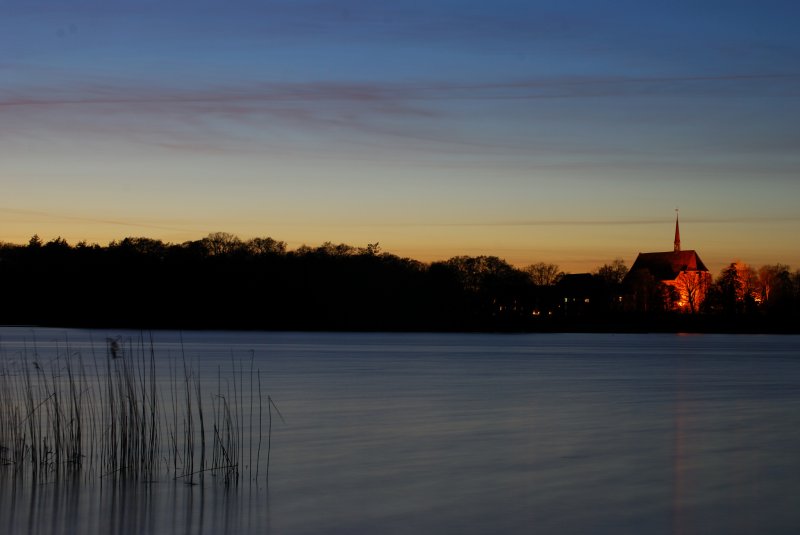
564 132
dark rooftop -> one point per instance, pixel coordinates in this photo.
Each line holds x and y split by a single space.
667 265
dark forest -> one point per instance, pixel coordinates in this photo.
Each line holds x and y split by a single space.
222 282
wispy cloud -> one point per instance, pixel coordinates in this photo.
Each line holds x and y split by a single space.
600 222
423 116
59 216
390 96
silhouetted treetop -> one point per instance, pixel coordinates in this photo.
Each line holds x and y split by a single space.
260 246
613 273
221 243
543 274
141 246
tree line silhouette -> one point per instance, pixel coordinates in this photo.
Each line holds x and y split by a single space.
224 282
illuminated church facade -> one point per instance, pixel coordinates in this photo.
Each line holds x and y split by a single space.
681 274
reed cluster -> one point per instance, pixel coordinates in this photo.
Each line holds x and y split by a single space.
125 413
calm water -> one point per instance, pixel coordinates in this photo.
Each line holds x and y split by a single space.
430 433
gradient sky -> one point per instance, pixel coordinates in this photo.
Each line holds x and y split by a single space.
554 131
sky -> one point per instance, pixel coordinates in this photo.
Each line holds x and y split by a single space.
536 131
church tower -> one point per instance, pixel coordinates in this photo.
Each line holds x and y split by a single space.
683 271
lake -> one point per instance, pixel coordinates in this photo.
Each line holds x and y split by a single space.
448 433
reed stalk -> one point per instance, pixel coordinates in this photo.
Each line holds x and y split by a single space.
63 415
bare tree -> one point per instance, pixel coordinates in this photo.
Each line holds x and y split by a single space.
692 287
332 249
734 290
474 272
219 243
748 280
647 294
140 245
267 245
614 272
543 274
771 278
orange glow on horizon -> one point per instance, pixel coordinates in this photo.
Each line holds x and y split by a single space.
574 249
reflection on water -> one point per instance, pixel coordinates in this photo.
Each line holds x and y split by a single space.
565 434
125 508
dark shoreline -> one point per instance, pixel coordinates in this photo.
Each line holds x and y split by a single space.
209 284
645 325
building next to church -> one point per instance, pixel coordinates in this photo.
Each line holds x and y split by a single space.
672 280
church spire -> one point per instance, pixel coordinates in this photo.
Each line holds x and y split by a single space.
677 233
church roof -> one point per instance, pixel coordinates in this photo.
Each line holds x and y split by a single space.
669 264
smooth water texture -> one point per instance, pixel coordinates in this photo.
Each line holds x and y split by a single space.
452 433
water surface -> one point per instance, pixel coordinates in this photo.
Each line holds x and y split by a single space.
440 433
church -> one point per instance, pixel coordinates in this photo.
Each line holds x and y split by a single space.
681 273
